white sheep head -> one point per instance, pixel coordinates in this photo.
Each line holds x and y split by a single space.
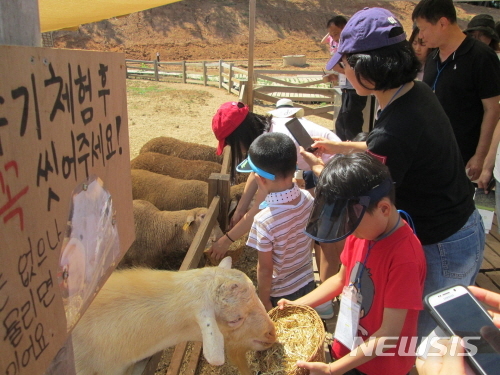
237 318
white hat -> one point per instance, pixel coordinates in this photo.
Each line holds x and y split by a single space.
285 108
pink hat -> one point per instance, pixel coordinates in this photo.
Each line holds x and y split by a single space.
228 117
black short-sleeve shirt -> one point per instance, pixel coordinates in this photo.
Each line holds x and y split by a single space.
468 75
414 137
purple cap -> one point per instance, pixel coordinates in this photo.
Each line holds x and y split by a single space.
367 30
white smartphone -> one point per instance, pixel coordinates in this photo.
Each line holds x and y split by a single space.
458 313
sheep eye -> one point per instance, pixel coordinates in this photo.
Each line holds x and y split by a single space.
235 321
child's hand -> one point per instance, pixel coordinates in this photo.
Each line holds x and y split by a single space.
283 302
314 162
218 249
316 368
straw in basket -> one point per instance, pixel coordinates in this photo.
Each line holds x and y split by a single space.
300 333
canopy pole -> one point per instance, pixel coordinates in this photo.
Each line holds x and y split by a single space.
20 23
251 42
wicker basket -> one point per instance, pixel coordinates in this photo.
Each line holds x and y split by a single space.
310 339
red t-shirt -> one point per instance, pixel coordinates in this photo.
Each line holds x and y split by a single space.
393 278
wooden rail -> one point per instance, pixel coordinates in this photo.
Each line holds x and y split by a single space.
268 85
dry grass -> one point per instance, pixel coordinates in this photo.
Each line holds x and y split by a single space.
300 333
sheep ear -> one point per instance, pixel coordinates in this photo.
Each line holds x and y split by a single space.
189 221
226 263
213 341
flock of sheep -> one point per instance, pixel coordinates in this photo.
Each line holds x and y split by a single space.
170 192
142 309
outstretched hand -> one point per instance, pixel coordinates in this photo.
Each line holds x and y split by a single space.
314 161
445 359
315 368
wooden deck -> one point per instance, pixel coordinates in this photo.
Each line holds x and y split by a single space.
489 275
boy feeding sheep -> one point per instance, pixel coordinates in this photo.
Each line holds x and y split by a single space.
383 269
284 268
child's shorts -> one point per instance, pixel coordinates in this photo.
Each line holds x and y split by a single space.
295 295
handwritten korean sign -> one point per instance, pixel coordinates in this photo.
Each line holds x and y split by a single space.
63 139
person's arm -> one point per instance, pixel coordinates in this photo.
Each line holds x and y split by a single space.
335 147
326 39
490 119
386 337
326 146
326 291
245 200
220 247
264 277
489 161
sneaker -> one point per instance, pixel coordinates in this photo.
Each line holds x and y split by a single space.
325 311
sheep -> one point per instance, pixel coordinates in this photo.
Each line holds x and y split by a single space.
172 194
140 312
184 150
168 193
163 237
175 167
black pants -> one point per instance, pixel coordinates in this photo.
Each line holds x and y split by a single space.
350 119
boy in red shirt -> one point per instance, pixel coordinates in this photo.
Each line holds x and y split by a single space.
382 274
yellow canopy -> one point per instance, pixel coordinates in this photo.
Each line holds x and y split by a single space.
63 14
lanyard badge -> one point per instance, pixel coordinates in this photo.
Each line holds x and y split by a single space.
349 315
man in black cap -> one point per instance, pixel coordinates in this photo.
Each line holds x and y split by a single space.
482 27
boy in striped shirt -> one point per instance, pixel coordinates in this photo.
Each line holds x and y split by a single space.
285 268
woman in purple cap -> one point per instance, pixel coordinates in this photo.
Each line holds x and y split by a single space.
412 135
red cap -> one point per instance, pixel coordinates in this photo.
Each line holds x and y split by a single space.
228 117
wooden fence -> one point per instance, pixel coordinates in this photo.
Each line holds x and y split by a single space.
304 87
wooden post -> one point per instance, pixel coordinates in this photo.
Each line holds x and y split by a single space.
221 78
20 23
230 80
223 188
204 73
184 73
243 92
155 62
251 42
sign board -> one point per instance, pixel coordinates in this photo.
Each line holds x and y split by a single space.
65 194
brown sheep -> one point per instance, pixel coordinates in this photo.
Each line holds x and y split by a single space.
140 312
184 150
173 194
175 167
163 237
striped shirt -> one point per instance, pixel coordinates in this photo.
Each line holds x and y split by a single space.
280 228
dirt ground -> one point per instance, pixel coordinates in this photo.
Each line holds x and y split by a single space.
182 111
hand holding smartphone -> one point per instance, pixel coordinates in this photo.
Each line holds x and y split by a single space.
458 313
300 134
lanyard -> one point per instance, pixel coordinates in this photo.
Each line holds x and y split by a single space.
379 112
370 247
440 70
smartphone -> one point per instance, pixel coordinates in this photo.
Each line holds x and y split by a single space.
300 134
458 313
